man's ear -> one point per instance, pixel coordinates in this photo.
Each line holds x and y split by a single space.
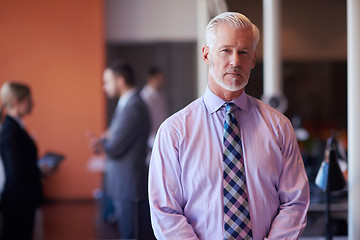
120 82
254 60
120 79
205 53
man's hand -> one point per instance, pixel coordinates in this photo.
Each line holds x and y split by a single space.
95 143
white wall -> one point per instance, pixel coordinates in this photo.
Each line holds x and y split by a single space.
150 20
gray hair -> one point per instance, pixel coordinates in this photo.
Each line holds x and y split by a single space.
232 19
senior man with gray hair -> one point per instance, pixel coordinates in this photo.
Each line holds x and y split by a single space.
228 166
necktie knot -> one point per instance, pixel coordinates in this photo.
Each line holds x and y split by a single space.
230 107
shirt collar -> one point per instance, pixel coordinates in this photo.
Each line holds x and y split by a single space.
214 103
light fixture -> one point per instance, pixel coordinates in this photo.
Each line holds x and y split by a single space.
330 179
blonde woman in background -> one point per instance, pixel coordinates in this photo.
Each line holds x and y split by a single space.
22 191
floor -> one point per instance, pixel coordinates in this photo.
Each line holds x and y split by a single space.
82 221
72 221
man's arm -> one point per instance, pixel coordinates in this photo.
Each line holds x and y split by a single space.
165 189
293 191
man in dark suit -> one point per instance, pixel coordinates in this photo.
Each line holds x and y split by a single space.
125 145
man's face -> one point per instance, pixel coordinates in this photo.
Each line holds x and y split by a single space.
110 84
231 58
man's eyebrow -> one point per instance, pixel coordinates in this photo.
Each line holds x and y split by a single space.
226 46
231 46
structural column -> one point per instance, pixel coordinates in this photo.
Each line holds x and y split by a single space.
273 83
353 40
272 50
203 18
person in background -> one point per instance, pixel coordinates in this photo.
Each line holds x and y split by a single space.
2 179
125 145
22 192
228 166
155 100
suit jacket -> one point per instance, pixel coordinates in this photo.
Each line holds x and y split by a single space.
22 176
126 170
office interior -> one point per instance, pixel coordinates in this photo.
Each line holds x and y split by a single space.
60 48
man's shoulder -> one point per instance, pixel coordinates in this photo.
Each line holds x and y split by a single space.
135 109
136 99
185 114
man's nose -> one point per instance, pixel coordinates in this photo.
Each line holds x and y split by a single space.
235 59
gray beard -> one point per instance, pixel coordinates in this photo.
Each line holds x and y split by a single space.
220 81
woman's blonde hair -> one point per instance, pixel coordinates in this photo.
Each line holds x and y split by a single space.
11 91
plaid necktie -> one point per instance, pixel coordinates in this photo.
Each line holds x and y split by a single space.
237 223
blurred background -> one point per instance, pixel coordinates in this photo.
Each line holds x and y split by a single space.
60 48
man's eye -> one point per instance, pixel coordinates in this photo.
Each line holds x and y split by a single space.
225 50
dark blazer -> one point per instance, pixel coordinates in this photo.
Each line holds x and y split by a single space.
22 176
126 148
